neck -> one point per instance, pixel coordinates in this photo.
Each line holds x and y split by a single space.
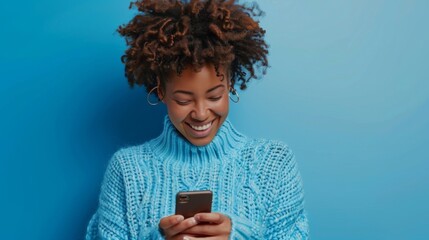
171 145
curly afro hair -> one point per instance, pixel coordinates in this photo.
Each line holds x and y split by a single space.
165 36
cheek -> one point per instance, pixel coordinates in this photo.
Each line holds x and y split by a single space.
177 114
222 108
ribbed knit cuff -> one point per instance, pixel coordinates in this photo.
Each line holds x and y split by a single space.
92 229
151 233
241 228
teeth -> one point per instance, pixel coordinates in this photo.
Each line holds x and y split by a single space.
201 128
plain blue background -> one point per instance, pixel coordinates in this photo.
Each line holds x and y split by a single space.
348 90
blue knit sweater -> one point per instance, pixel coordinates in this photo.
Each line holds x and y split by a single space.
255 182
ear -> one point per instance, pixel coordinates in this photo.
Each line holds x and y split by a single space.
229 85
229 74
160 94
159 91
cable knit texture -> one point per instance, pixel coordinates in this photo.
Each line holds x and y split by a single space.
254 181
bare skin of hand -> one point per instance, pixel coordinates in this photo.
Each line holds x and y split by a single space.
208 226
173 226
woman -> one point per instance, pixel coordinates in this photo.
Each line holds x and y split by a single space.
192 55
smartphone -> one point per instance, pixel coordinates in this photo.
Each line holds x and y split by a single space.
190 203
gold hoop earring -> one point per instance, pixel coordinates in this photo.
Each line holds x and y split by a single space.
148 97
234 92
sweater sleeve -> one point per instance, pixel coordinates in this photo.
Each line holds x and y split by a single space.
110 219
286 217
117 216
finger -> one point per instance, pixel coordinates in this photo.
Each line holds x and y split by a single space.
183 237
168 222
180 227
215 218
211 224
205 230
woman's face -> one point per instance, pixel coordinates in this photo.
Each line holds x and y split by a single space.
197 103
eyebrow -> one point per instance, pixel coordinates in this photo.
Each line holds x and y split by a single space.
190 93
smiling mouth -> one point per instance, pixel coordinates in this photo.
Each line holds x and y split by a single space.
201 127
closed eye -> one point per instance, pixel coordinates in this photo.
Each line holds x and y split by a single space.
215 98
182 102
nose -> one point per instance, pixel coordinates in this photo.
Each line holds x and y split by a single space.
200 112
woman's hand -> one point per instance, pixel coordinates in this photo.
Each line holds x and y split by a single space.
210 226
173 226
201 226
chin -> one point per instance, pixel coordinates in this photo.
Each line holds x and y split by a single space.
200 142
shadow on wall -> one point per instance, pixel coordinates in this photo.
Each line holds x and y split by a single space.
118 117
